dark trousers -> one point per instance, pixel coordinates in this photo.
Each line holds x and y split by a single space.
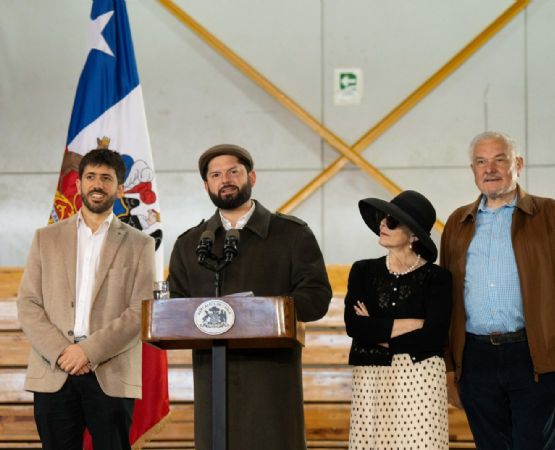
506 408
62 416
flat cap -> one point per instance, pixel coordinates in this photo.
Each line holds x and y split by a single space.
224 149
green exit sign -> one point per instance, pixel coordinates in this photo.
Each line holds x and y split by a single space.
347 86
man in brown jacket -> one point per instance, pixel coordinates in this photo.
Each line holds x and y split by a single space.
501 252
278 255
79 304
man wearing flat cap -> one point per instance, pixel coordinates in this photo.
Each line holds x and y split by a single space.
278 256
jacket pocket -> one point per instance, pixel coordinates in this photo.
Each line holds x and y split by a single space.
37 367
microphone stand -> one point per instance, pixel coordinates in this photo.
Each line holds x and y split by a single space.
219 346
216 265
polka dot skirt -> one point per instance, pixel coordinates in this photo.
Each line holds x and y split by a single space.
402 406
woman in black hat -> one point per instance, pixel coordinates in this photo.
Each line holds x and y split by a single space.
397 311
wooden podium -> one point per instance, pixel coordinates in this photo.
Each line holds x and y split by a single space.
258 322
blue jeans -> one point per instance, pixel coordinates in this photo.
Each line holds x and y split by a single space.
505 406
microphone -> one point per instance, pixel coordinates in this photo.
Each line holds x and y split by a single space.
204 247
231 243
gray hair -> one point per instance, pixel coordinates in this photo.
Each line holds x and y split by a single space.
509 142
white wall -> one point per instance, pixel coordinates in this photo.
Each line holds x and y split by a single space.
195 99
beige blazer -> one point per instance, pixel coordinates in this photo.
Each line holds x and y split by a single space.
46 306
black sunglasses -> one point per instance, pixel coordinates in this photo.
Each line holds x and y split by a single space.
391 222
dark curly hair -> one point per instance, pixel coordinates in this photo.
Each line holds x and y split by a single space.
104 157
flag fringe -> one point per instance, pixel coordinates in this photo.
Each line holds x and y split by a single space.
151 432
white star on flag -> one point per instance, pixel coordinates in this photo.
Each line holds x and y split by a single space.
95 40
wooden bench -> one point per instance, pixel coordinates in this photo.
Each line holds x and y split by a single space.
326 379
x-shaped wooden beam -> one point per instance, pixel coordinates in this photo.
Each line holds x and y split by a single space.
348 153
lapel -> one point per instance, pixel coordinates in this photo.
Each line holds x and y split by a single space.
115 236
259 222
465 234
68 245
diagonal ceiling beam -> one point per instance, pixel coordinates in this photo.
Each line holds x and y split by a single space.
232 57
407 104
348 153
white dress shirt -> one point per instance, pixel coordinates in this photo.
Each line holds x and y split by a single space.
89 247
240 223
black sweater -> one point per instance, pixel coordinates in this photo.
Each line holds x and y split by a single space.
424 293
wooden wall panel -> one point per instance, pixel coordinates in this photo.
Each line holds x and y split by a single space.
326 381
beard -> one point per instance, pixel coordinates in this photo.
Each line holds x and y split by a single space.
99 208
234 199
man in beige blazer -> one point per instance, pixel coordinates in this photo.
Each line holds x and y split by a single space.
79 305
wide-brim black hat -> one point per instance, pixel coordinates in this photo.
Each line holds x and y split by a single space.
410 208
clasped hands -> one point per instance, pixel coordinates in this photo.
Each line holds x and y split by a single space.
74 361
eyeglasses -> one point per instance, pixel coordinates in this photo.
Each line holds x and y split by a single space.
391 222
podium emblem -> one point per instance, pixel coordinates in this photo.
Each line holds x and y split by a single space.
214 317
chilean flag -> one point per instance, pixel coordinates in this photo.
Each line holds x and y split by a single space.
108 112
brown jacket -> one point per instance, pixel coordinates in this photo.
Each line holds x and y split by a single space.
278 255
533 238
46 309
